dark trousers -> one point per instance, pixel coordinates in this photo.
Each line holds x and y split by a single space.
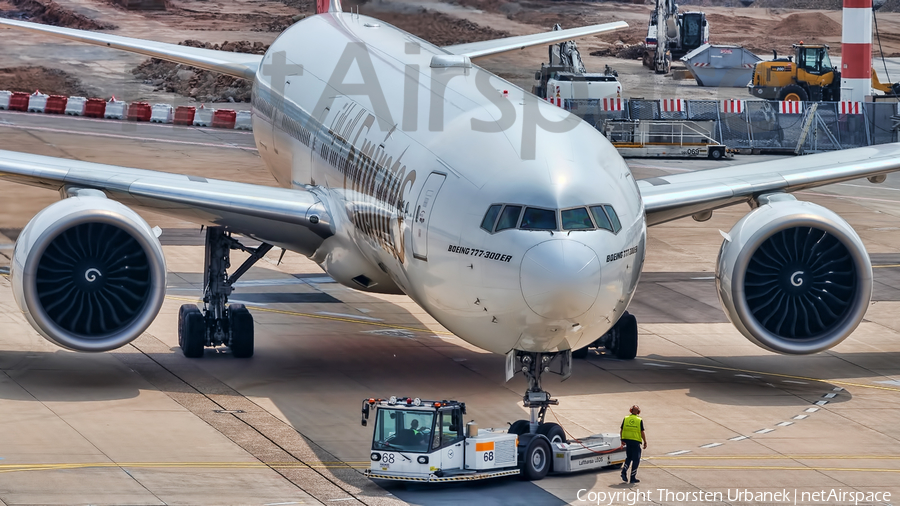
632 457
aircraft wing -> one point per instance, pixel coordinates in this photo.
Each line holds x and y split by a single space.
670 197
509 44
279 216
234 64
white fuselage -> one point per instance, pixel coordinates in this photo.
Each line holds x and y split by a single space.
407 158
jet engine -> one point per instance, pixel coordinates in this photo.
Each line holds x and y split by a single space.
88 273
793 277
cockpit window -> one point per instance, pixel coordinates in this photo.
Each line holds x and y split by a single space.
576 219
613 218
601 218
538 219
491 217
509 218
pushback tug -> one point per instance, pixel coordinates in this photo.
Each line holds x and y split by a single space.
422 440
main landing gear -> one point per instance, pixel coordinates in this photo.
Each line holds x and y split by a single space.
621 340
535 435
219 323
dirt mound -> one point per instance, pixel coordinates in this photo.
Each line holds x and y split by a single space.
827 5
201 85
49 12
435 27
807 24
195 19
49 81
440 29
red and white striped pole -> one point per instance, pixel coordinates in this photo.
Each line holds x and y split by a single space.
856 51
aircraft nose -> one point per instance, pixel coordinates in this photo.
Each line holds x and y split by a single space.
560 279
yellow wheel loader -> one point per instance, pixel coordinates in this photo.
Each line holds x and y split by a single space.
806 76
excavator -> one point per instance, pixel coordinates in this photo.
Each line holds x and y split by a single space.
808 75
672 34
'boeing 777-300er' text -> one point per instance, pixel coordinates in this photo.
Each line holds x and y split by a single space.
405 168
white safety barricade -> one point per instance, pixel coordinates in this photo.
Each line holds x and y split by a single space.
4 99
37 102
75 106
162 113
243 121
203 116
115 110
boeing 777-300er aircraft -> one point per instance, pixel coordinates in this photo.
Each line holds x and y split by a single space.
404 168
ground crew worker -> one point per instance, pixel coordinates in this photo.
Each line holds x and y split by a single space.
632 434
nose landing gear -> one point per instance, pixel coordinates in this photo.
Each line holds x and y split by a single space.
536 435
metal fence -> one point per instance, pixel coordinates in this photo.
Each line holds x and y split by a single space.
820 126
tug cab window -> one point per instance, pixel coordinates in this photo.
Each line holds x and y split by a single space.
576 219
509 218
539 219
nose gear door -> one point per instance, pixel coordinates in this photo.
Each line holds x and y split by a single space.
424 206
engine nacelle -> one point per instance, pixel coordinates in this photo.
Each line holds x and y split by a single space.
88 273
794 277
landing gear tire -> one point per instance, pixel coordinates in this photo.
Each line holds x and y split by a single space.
553 431
628 338
519 427
536 461
623 338
240 323
191 331
580 353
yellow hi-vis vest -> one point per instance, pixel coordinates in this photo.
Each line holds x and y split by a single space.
631 428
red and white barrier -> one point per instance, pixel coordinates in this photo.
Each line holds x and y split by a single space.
37 102
243 121
733 106
203 116
673 105
847 107
184 115
75 106
224 118
161 113
612 104
790 107
56 104
116 109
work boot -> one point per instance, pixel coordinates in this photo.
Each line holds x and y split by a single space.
624 476
635 480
